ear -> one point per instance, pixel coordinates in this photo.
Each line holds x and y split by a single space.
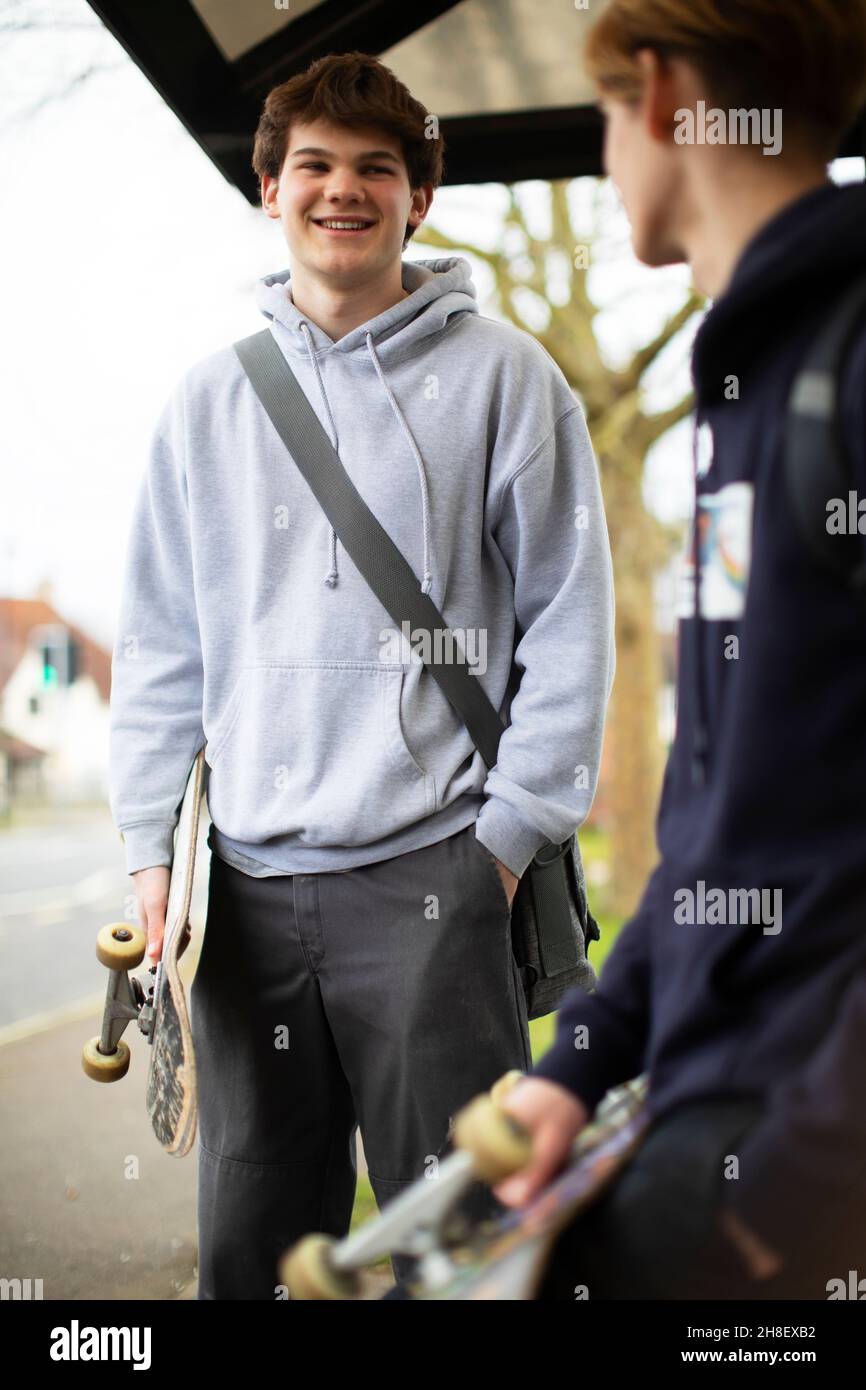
662 94
422 197
269 190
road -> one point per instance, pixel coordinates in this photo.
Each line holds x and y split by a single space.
60 881
89 1202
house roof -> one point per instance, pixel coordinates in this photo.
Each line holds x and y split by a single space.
18 618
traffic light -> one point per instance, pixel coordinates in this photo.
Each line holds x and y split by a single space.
59 658
50 675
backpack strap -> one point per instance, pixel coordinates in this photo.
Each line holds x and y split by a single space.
817 458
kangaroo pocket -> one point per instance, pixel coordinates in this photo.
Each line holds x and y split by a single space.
316 749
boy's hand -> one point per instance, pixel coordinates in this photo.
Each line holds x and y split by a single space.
509 880
553 1116
151 892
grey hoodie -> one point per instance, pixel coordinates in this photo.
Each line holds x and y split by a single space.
246 626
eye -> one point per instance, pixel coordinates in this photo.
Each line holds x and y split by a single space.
378 168
313 166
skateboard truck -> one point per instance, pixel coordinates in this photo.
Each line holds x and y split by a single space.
420 1222
120 947
161 1012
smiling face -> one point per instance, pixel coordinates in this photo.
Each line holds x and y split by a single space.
339 174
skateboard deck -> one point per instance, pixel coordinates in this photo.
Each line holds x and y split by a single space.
502 1258
171 1078
162 1014
508 1258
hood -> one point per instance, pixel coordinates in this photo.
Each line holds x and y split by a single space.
793 266
437 291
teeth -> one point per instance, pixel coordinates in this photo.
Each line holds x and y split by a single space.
343 226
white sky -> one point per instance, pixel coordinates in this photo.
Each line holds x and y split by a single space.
127 257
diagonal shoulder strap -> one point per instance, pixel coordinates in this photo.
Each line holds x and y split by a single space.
393 582
382 565
818 465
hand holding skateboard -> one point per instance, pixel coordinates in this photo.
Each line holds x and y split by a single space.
553 1117
151 893
502 1258
163 903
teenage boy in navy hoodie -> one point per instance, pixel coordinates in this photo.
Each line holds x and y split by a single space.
357 964
752 1181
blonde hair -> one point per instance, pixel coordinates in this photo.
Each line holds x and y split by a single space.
806 57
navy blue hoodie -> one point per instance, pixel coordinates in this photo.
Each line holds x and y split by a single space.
710 989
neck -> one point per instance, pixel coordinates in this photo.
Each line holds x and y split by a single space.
337 309
730 203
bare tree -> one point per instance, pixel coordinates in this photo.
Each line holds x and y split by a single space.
622 431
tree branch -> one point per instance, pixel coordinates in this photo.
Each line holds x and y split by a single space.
646 355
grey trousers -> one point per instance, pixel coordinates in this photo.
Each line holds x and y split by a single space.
384 997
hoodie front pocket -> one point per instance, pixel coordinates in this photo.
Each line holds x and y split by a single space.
316 749
226 721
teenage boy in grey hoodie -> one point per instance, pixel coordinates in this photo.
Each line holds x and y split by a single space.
357 964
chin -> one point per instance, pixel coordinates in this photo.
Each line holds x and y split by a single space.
654 249
335 258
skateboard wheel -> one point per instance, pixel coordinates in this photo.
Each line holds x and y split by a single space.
497 1143
505 1084
308 1272
102 1066
121 945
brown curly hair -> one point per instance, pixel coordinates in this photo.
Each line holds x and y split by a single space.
350 89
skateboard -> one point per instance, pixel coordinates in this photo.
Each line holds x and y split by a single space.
162 1014
503 1258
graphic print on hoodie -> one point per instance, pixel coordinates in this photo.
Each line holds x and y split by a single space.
244 623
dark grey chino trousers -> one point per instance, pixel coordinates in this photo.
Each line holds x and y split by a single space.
384 997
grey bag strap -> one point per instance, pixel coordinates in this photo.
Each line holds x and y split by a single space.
380 562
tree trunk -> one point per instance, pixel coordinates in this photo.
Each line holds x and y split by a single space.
633 720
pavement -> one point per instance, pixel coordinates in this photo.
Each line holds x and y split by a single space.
90 1203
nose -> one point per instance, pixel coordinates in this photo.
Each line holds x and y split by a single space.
343 185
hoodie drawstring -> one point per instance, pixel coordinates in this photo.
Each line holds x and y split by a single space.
331 576
425 506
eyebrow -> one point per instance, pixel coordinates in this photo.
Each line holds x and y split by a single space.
366 154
